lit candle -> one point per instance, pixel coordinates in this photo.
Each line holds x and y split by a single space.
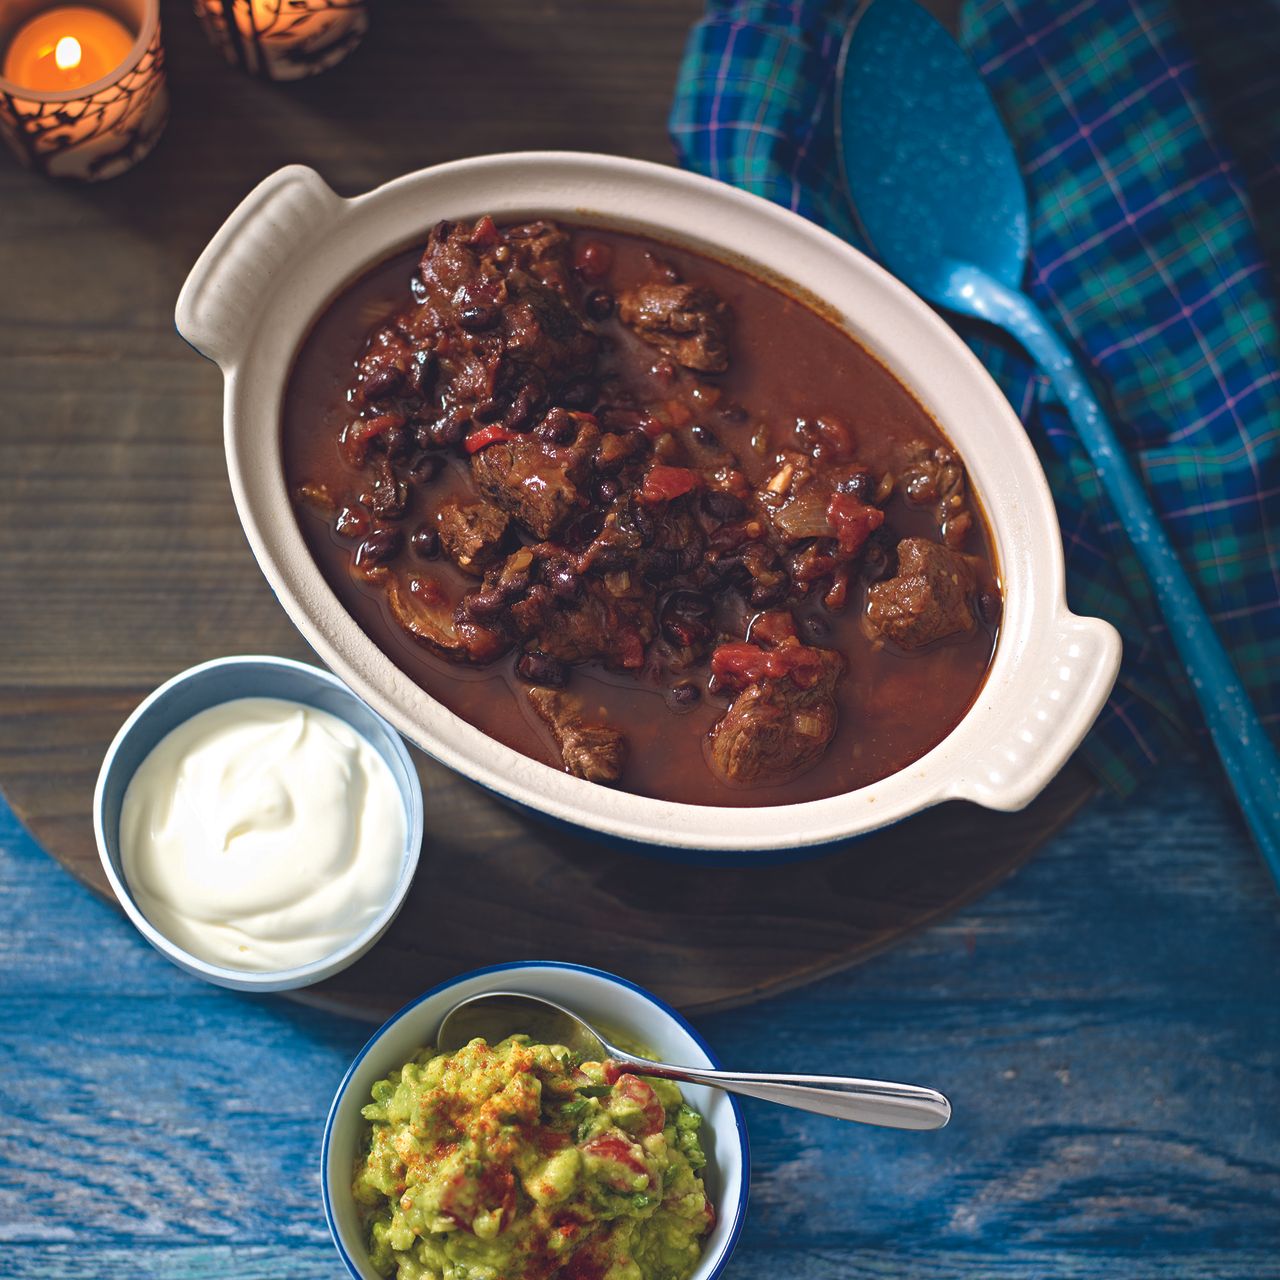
82 89
67 48
284 39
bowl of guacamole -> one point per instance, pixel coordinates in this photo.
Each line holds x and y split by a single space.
521 1161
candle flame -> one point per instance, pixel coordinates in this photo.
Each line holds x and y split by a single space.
66 53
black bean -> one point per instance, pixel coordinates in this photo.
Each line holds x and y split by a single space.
582 529
705 437
425 542
722 506
557 428
381 381
540 668
422 371
660 566
684 696
484 606
860 485
599 304
607 490
879 556
990 607
734 413
476 317
448 431
565 582
378 547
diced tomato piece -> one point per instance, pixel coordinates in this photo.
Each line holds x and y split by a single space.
485 234
709 1212
477 440
853 521
466 1197
739 663
618 1151
663 483
773 629
635 1090
678 413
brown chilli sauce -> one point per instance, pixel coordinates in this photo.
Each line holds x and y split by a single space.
787 361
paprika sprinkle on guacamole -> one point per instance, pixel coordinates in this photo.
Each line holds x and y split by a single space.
519 1161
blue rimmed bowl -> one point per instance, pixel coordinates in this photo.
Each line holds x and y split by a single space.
597 996
208 685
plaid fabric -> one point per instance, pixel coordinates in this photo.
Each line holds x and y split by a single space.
1144 247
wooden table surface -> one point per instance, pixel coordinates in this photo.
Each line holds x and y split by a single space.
1105 1023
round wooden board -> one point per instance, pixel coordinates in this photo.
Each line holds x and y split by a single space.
124 562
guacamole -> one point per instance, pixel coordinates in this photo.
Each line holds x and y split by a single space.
518 1161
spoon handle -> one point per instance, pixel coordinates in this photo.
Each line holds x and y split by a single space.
896 1106
1247 754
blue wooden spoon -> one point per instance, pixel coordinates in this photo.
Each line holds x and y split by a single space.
936 188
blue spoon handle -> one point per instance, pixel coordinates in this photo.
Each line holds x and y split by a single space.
1247 754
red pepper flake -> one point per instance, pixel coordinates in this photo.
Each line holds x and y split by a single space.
853 521
478 440
662 484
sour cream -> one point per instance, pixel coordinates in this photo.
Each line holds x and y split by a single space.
262 834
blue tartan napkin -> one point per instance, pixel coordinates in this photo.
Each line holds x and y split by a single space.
1149 137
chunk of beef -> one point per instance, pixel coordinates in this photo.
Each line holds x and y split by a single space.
595 752
505 342
685 321
928 600
936 476
611 619
471 534
422 608
783 716
538 481
542 249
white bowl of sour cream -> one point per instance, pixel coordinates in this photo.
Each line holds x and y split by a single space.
259 823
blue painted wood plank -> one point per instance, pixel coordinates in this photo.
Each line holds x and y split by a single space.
1105 1023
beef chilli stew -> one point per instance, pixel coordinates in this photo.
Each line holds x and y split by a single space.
640 515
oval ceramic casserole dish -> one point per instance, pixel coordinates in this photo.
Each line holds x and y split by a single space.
293 245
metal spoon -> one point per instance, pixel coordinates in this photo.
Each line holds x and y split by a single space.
498 1014
935 185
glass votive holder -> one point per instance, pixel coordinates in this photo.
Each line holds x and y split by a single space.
283 39
99 129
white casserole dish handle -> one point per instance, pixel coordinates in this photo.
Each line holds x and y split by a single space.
223 296
1062 680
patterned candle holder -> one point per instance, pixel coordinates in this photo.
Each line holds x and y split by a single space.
101 129
284 39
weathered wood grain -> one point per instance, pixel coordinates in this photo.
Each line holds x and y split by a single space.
1105 1023
124 561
